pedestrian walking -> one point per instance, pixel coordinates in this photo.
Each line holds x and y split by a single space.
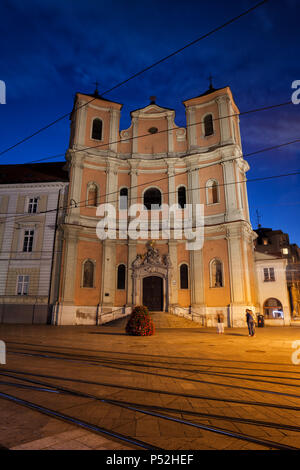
250 322
220 324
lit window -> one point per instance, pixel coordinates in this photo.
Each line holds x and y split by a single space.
28 240
273 309
285 251
22 285
32 205
269 274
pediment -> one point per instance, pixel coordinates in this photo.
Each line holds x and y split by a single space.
152 110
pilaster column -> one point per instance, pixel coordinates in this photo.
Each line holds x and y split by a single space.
226 137
112 183
76 163
193 187
231 209
170 134
131 257
113 129
70 264
133 183
191 128
236 267
173 273
108 273
171 183
134 135
80 124
197 278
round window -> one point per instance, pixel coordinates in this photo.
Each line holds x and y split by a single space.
153 130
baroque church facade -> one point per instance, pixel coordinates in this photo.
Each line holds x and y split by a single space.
156 162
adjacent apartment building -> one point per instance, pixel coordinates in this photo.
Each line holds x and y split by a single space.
31 196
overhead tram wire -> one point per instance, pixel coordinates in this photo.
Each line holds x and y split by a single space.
182 156
128 139
85 201
218 28
282 175
294 203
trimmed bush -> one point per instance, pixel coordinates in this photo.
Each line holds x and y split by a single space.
140 323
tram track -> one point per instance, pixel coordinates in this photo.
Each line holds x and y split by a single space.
109 365
156 363
58 389
158 391
50 388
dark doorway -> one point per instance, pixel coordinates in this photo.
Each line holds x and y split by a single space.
153 293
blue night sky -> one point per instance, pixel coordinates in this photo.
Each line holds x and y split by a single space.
52 49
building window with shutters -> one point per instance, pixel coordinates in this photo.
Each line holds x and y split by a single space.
269 274
28 240
121 279
88 274
97 129
32 205
22 285
184 276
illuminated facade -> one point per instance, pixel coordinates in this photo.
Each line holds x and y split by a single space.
155 161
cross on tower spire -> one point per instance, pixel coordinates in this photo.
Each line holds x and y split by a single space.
96 92
258 217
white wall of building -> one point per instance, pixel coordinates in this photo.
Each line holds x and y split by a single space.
272 289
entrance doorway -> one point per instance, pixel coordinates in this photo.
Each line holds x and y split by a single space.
153 293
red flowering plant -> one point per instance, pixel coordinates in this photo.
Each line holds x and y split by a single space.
140 323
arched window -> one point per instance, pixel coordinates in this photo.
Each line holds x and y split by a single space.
181 197
216 273
92 194
184 276
212 192
121 276
123 202
152 199
208 125
97 129
88 274
273 309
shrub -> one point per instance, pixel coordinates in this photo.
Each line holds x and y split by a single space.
140 323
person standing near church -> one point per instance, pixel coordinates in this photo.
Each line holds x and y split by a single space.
250 322
220 324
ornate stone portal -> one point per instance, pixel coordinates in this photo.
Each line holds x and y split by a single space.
152 263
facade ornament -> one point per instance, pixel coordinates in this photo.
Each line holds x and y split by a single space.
151 260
